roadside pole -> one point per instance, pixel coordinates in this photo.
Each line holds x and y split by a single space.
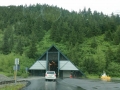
16 68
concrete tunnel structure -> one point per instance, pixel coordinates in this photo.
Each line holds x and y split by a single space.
54 60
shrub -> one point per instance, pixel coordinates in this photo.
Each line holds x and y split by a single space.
10 74
25 75
113 69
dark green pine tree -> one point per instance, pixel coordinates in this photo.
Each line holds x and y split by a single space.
32 48
11 42
110 56
19 46
90 65
118 55
108 36
55 32
74 53
6 45
94 43
116 38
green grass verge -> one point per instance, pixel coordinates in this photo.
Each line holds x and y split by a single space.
90 76
12 87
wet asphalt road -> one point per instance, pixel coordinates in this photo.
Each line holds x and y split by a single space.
72 84
41 84
88 84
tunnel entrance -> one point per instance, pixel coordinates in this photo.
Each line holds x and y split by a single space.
52 60
53 66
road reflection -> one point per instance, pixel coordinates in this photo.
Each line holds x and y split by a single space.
50 85
72 84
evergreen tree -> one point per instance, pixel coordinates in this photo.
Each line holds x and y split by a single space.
6 47
117 36
109 56
31 53
90 65
108 36
118 55
94 43
19 46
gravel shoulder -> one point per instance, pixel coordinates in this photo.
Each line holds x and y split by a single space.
4 78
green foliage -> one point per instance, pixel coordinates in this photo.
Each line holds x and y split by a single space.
90 65
92 76
118 55
6 44
117 36
19 46
32 48
12 87
50 13
10 74
89 39
8 61
114 69
108 36
25 75
109 56
94 43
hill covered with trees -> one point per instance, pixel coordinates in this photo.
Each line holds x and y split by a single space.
91 40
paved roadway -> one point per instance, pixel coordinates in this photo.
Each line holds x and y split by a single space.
87 84
41 84
71 84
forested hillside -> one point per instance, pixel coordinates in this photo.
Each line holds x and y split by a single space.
91 40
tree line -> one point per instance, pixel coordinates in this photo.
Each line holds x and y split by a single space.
23 27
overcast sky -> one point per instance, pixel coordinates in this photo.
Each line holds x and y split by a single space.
106 6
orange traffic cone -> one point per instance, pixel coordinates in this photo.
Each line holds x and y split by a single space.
70 76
